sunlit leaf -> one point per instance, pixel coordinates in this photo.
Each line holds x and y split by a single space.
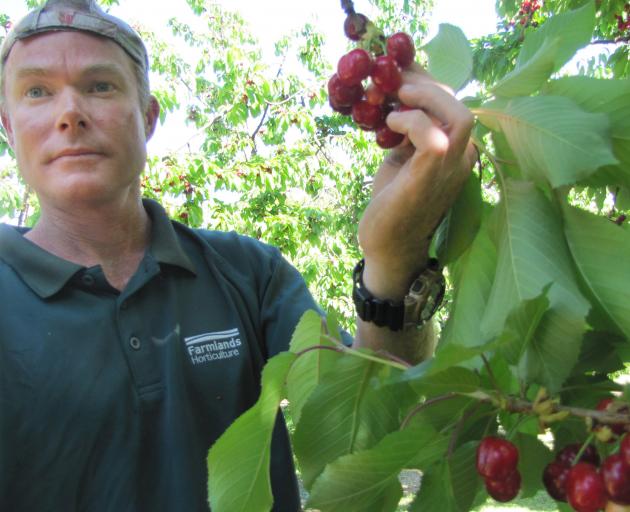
450 56
553 139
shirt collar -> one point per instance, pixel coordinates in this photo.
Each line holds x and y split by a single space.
46 274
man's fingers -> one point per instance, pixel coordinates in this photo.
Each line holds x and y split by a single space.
455 119
421 131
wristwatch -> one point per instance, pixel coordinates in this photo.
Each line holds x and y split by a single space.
419 305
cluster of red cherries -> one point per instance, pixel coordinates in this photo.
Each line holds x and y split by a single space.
497 461
576 475
526 11
623 25
349 92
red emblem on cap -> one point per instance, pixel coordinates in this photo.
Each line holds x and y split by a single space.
66 18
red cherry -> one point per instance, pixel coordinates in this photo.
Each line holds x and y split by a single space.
354 66
506 489
355 25
400 46
368 117
386 74
624 448
566 456
585 488
374 96
496 458
344 95
616 475
555 479
387 138
346 111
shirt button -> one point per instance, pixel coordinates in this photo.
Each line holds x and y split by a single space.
87 279
124 304
134 343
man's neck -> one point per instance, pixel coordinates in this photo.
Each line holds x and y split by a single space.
114 236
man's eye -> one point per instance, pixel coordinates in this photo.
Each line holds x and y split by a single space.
102 87
35 92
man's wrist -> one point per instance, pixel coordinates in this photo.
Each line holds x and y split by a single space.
413 309
389 282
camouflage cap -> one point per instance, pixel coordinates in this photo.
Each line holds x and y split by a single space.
83 15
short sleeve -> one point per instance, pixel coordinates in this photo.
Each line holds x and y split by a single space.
285 300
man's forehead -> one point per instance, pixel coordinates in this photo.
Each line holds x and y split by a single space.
68 49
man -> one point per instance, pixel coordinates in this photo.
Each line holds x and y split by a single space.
129 343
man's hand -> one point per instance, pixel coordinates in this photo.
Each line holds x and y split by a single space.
416 184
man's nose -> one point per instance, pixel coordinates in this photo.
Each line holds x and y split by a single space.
71 115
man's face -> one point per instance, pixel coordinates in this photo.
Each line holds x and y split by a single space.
74 120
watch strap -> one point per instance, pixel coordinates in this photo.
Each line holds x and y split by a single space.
419 305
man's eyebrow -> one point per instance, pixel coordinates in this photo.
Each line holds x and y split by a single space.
93 69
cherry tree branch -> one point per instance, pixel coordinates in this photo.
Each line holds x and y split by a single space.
617 40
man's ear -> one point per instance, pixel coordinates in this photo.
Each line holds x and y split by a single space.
151 117
6 123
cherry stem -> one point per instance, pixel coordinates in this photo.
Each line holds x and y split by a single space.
424 405
347 6
588 441
319 347
458 428
387 359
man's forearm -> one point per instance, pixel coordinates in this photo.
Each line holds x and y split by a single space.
412 345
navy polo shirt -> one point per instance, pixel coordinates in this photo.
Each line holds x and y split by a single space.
109 401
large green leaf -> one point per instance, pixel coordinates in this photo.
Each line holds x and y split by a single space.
532 254
451 485
458 229
610 97
573 29
528 77
346 413
600 248
453 379
309 369
364 481
552 138
238 463
450 56
473 274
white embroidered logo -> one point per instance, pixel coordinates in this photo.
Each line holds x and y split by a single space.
213 346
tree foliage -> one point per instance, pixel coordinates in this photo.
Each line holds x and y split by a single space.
536 321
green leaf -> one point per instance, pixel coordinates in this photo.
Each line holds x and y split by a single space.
357 415
573 29
600 248
310 368
610 97
553 139
473 274
532 254
238 462
364 481
461 224
521 325
450 56
451 485
526 79
455 379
